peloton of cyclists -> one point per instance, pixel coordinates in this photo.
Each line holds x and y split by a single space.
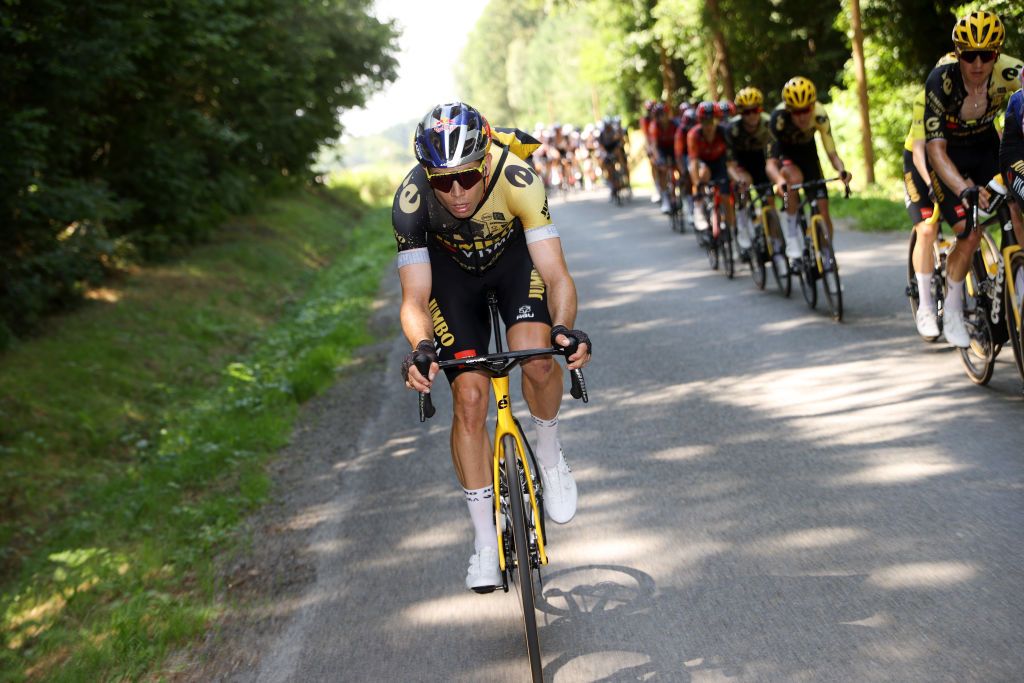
749 137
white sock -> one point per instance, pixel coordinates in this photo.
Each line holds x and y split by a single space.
481 511
924 291
547 448
954 295
746 229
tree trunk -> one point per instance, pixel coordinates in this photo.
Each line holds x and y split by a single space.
668 77
721 66
862 92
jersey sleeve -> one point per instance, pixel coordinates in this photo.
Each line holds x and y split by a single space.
410 218
692 144
916 131
824 126
679 145
1007 72
525 196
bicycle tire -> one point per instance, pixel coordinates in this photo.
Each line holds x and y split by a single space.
979 358
725 243
758 259
831 286
538 486
524 564
808 270
780 266
1015 321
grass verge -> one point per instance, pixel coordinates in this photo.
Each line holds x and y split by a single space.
871 210
133 434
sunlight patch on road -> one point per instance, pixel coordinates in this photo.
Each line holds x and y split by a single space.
659 396
452 610
879 620
683 453
923 575
898 473
807 539
599 666
787 325
434 536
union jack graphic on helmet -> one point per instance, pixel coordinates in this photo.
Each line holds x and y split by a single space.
450 135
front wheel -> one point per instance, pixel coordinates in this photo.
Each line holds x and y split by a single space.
725 244
828 269
758 258
776 246
1014 307
979 358
523 561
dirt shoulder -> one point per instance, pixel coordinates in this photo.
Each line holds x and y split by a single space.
262 586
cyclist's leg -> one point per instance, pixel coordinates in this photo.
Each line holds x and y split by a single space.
703 176
744 226
794 240
522 302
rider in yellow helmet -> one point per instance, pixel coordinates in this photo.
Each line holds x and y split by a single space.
793 157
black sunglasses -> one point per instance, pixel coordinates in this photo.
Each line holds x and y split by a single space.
986 56
442 182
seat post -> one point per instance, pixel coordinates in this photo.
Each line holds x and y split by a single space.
492 304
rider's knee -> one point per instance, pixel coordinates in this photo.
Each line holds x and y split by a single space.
538 370
927 231
470 404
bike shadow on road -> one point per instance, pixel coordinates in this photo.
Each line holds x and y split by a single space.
725 627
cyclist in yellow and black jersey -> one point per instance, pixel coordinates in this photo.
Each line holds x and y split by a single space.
962 101
749 137
916 197
793 157
472 216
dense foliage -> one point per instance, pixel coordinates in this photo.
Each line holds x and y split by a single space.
132 127
578 60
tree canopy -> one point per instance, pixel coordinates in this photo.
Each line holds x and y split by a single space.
131 127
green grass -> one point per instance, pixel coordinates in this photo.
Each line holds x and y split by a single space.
134 432
871 210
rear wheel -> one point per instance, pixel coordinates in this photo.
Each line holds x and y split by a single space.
521 541
913 295
829 270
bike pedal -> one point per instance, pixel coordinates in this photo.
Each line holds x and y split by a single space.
483 590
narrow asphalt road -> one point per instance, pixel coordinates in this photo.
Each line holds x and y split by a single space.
765 495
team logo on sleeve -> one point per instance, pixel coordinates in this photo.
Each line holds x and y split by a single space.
519 176
409 196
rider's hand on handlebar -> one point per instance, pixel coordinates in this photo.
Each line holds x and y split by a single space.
781 189
845 176
577 344
414 379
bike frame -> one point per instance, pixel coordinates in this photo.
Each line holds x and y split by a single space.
506 425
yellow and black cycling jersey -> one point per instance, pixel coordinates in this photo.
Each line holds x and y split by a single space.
788 135
945 93
514 205
742 140
916 131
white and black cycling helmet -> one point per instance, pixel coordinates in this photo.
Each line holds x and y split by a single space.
450 135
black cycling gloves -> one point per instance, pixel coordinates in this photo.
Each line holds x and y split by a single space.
424 348
576 337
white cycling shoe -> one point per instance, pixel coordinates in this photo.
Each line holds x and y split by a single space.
954 329
927 324
484 573
559 491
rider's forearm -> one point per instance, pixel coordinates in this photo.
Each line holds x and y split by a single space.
771 167
837 163
562 301
416 323
920 159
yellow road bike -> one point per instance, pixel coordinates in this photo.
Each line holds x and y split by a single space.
519 503
819 256
768 244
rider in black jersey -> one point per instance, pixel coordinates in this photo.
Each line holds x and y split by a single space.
472 216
